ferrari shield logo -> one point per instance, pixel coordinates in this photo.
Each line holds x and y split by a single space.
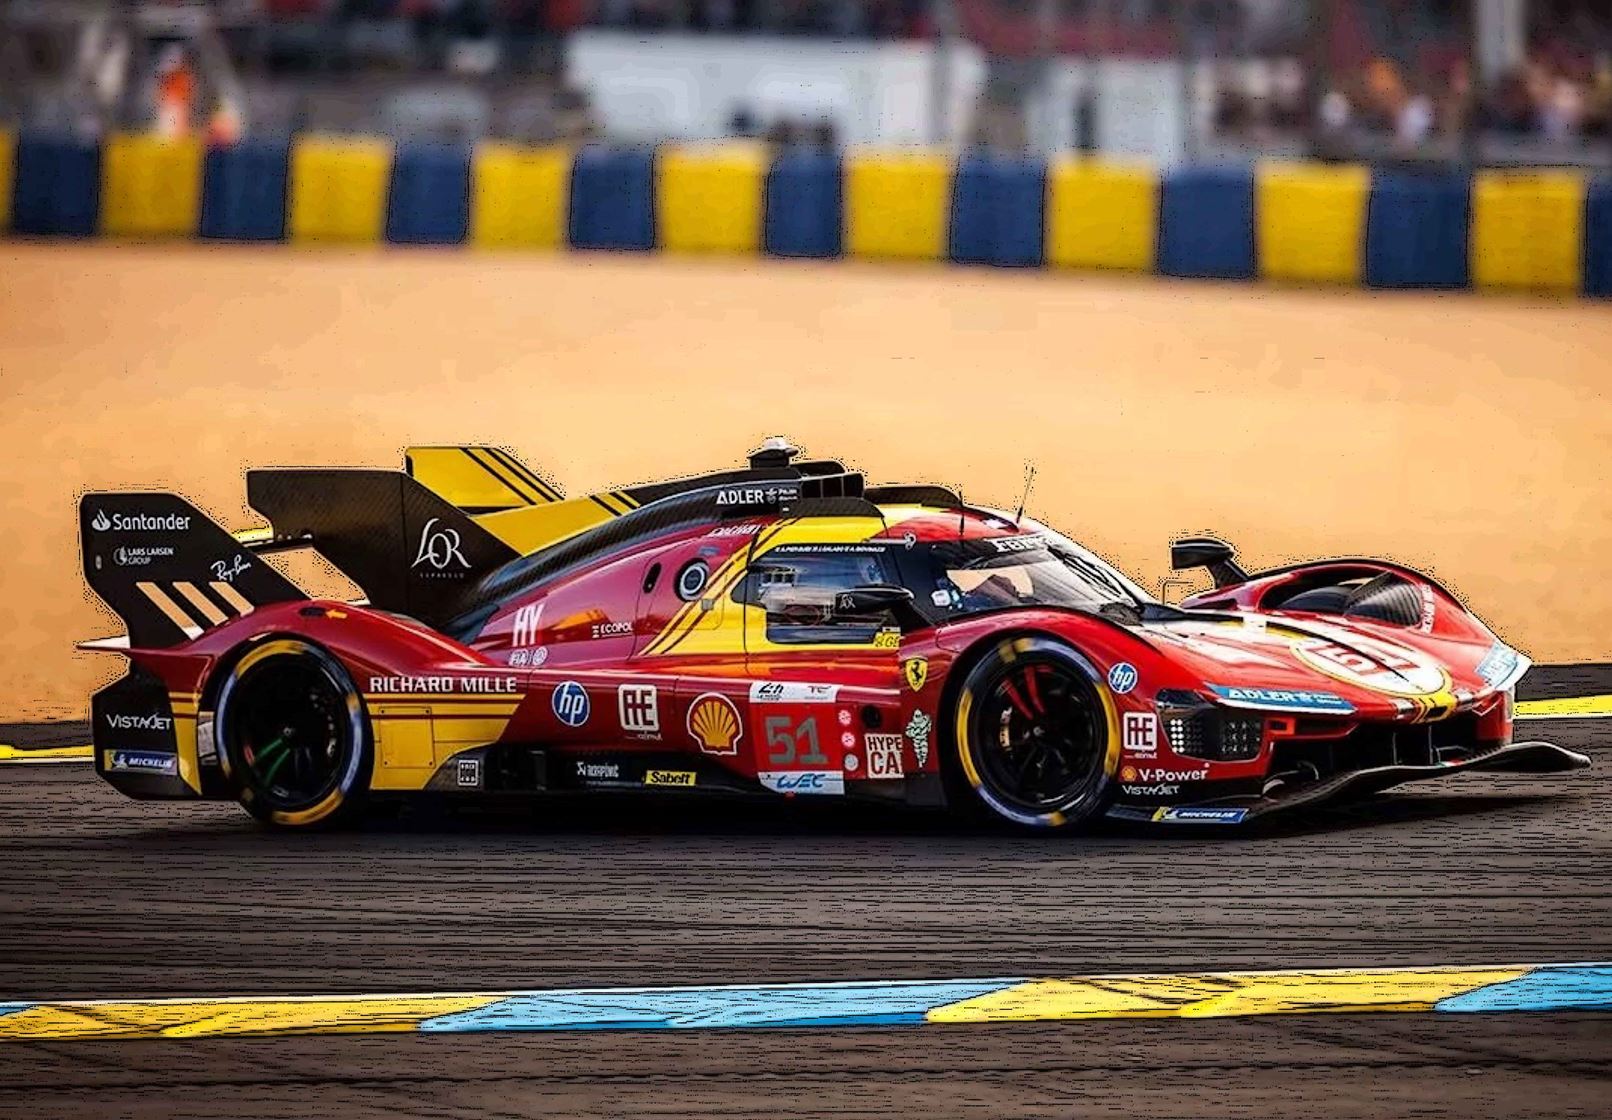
916 670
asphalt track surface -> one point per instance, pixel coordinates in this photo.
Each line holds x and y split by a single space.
105 897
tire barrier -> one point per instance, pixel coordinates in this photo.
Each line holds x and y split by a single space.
1416 231
519 197
805 205
1598 240
1527 230
429 203
338 190
1311 222
710 200
896 205
1102 215
1206 224
1534 230
244 192
56 186
613 199
150 186
998 211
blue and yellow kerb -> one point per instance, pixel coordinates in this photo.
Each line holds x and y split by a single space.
1515 988
1543 230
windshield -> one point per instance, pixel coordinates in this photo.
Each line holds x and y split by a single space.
1027 571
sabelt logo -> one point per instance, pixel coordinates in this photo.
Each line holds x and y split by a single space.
140 522
121 722
669 777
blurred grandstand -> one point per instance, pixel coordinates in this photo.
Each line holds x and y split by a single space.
1474 81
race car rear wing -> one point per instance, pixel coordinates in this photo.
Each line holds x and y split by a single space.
167 570
410 550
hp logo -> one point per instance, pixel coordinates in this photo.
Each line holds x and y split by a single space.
571 705
1122 677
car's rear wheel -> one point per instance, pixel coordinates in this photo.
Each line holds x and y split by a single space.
292 735
1032 736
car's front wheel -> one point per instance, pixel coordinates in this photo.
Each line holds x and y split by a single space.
1032 735
292 735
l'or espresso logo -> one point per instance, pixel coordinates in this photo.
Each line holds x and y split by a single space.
482 686
439 555
139 522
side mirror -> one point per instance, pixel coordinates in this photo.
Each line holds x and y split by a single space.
1207 552
871 598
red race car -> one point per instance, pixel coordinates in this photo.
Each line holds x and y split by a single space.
778 630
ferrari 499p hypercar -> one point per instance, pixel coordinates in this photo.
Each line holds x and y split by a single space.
781 630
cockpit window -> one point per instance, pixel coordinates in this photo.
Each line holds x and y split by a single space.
798 590
1025 571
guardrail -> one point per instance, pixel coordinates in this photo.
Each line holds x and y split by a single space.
1543 230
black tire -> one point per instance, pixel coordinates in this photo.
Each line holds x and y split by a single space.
1031 737
292 736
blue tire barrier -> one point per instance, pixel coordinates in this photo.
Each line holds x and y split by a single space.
1206 223
57 186
613 199
1598 239
429 201
998 211
1416 231
243 191
804 215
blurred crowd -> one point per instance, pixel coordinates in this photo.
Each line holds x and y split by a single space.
1560 99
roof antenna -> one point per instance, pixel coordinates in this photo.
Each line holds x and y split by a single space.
1029 480
774 452
962 514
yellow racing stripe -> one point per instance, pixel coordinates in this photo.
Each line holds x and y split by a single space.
1570 707
198 1018
1221 994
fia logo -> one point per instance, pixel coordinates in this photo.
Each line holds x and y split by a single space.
439 548
640 714
571 706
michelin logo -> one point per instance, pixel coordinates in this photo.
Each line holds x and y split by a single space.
1201 816
148 761
1284 699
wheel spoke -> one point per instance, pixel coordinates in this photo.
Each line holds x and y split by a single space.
1018 701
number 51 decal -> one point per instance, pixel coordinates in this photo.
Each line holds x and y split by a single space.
786 743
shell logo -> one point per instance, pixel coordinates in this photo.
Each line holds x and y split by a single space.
714 723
